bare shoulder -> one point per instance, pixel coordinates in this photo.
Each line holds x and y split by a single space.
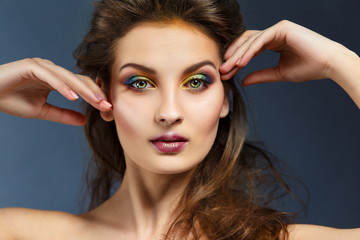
22 223
312 232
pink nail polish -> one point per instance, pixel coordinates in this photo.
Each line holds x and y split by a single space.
73 94
238 61
98 96
107 104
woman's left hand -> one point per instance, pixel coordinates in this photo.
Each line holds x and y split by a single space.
304 55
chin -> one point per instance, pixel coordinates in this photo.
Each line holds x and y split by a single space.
168 164
173 170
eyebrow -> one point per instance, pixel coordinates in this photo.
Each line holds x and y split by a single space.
151 71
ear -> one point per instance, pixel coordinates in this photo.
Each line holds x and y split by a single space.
106 116
225 108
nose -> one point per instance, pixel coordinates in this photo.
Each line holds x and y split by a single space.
169 111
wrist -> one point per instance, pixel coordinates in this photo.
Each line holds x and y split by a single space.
343 64
344 69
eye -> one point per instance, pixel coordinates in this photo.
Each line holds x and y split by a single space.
139 83
197 82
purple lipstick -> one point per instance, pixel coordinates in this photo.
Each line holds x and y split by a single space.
169 143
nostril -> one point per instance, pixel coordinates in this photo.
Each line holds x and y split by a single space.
169 112
169 120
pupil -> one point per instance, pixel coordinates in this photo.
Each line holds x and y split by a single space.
141 84
195 83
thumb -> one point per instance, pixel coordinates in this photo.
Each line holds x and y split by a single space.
61 115
263 76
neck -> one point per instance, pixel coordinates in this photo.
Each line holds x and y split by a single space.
148 200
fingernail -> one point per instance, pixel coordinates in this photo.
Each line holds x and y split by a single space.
222 68
239 61
74 94
107 104
98 96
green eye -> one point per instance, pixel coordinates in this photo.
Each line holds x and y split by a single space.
141 84
195 83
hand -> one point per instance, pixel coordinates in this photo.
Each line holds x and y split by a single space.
26 84
304 54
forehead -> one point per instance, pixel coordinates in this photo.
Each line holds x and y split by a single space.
162 43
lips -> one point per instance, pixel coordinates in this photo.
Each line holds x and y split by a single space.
169 143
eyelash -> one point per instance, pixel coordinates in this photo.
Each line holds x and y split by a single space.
135 80
204 81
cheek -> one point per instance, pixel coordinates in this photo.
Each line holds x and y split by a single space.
206 109
131 118
204 114
135 123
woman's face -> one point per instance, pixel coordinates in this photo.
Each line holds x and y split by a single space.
167 96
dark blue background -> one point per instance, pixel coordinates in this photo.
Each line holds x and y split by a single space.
314 127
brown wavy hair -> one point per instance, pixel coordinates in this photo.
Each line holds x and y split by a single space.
232 189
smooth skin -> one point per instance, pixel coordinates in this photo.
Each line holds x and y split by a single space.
153 182
25 85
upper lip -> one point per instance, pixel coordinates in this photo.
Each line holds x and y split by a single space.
174 137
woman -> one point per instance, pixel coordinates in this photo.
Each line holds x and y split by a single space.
158 68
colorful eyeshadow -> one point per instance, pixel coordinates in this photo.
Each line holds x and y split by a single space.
139 82
197 81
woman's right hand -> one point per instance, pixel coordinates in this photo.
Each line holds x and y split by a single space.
26 84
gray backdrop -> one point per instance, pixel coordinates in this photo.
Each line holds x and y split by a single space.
314 127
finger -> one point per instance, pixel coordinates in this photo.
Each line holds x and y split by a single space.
87 89
263 76
82 85
61 115
238 54
102 102
268 39
230 74
48 61
42 73
238 42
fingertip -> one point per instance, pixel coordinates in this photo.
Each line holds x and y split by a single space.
229 74
238 62
245 83
73 94
242 62
226 77
82 120
222 68
225 67
98 98
249 80
82 123
68 94
223 78
103 106
78 122
106 104
74 119
101 102
61 115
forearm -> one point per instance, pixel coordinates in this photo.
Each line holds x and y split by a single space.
314 232
344 69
